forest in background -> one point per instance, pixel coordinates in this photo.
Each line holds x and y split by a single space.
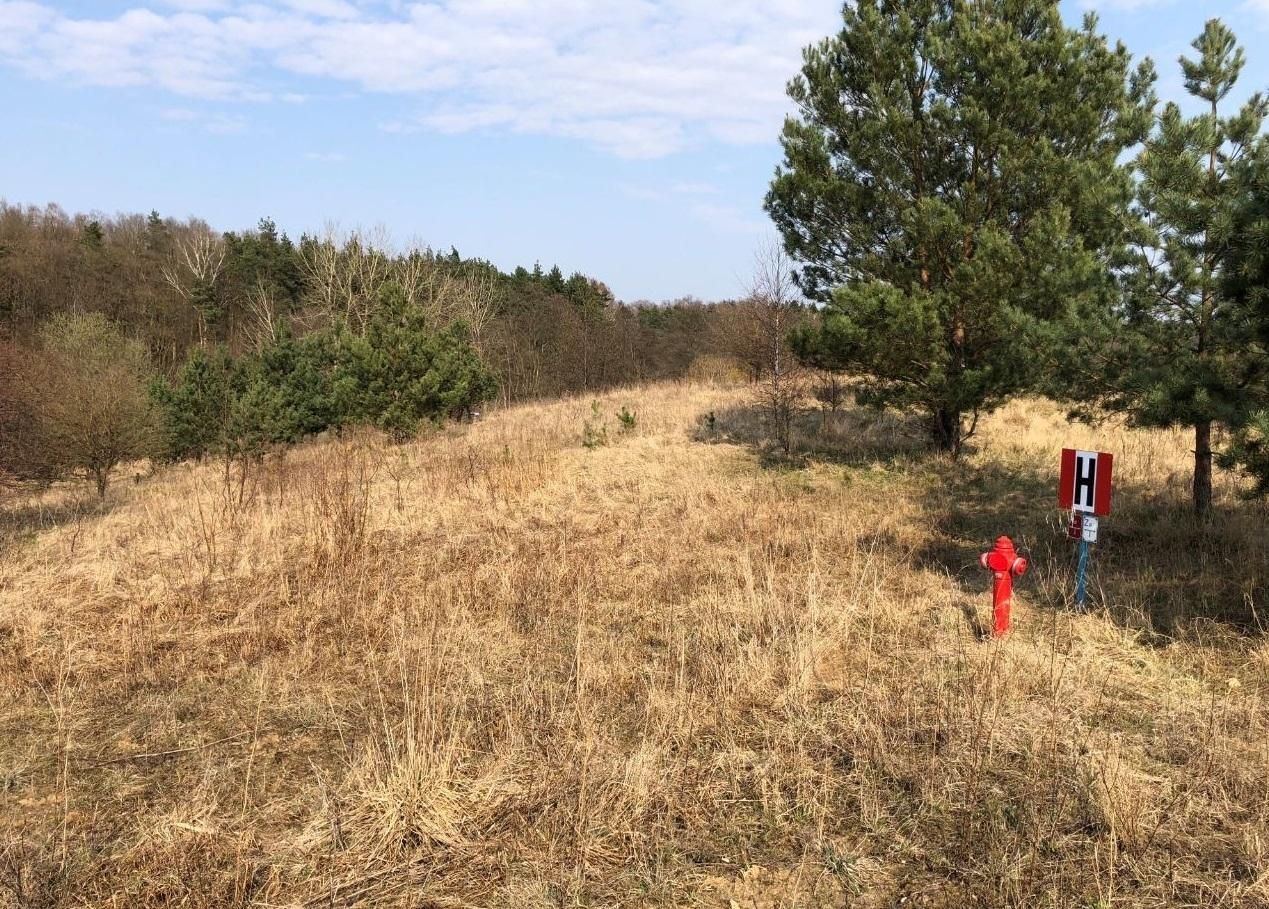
138 337
177 285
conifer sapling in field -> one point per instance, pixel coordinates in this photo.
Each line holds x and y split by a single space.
195 406
397 375
401 372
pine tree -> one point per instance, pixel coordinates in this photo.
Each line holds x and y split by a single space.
205 299
951 186
400 373
1245 287
156 232
92 235
195 407
258 418
301 372
1183 358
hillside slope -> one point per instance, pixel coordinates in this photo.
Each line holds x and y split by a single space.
499 668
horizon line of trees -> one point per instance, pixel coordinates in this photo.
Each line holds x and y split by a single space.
141 337
177 285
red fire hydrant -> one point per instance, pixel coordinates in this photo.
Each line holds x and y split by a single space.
1005 564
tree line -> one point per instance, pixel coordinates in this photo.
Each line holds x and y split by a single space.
143 336
987 202
178 285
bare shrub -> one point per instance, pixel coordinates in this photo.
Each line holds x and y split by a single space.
773 310
339 496
81 403
716 370
830 389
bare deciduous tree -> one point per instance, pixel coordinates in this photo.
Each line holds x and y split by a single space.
367 266
85 401
475 301
319 259
192 269
446 294
425 284
263 310
772 311
346 272
830 389
15 415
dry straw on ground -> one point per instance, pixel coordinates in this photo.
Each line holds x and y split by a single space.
498 668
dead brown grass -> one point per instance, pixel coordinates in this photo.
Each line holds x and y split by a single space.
496 668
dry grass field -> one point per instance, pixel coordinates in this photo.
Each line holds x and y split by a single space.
497 668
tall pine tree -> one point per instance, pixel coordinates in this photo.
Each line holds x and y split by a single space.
1245 286
1184 356
952 186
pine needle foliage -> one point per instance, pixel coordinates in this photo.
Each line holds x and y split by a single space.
1188 344
952 186
397 376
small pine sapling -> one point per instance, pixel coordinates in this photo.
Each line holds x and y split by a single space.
595 429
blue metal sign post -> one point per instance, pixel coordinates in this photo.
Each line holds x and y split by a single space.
1083 528
1081 574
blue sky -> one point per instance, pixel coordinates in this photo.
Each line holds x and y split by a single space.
630 139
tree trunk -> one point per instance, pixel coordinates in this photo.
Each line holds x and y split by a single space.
1202 467
947 431
101 476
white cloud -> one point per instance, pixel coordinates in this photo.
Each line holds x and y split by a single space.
199 6
329 9
326 157
215 122
639 78
20 24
